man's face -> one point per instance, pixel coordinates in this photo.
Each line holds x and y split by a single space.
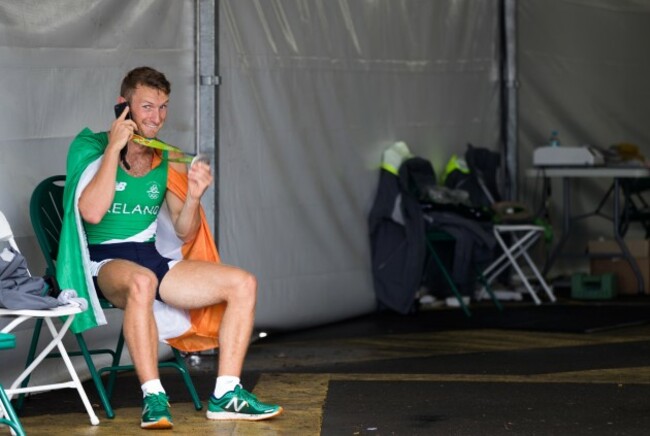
148 110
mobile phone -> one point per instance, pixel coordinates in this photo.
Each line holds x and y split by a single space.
119 108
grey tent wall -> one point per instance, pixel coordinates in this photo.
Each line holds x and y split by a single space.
312 92
583 70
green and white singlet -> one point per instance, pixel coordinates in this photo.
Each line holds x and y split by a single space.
132 217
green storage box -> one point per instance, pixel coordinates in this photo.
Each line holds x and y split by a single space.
597 287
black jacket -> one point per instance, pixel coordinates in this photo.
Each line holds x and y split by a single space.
397 242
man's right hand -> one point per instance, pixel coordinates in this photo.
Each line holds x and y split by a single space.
121 131
98 195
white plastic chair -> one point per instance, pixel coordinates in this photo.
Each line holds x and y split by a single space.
48 315
523 236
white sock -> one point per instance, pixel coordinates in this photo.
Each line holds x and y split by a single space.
152 387
225 383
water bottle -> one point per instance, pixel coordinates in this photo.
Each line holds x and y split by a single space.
554 140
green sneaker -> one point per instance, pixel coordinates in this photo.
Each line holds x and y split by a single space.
240 405
155 412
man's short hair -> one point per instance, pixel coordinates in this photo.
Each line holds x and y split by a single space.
144 76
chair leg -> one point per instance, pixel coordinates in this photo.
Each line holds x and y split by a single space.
454 289
182 368
539 277
105 392
38 325
115 366
488 289
97 380
83 351
508 252
178 364
8 414
519 248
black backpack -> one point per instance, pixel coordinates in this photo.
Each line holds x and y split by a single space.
481 181
417 177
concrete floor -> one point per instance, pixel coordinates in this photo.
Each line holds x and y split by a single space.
435 372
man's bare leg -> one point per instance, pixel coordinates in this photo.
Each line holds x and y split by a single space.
196 284
133 289
212 284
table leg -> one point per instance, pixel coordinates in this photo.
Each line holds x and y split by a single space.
621 242
566 225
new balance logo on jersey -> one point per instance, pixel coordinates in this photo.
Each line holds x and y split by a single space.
120 186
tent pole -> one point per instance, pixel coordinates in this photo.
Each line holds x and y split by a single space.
197 76
508 37
206 86
511 85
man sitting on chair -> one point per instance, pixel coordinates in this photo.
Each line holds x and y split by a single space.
119 198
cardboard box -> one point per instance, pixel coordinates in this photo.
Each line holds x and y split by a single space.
637 247
625 278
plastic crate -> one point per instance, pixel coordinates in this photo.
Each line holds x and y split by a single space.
596 287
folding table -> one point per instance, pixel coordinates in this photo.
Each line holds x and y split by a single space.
616 173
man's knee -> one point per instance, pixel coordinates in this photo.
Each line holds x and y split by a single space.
247 289
142 286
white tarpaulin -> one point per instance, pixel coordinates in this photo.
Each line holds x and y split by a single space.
312 93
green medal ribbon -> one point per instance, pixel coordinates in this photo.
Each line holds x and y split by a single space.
154 143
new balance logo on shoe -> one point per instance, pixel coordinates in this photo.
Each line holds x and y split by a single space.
240 404
237 407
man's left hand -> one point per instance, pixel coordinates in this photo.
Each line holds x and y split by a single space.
199 177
